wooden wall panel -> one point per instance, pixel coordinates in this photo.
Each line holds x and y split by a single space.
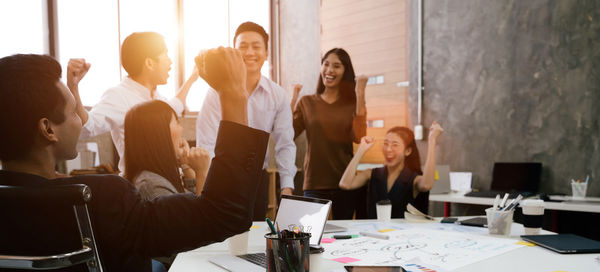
375 34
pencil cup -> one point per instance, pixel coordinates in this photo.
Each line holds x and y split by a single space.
579 189
533 215
499 222
288 252
384 210
238 244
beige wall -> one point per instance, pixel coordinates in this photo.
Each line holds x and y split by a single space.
375 34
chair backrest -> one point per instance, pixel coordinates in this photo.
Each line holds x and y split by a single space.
27 246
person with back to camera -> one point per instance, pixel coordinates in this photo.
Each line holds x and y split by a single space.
333 118
154 151
40 127
401 179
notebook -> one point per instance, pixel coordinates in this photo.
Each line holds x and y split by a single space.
441 183
294 211
564 243
513 178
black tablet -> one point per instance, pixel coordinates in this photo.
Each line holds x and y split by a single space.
351 268
564 243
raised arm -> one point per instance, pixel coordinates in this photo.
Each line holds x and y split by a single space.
361 85
76 70
352 179
296 92
359 123
425 183
223 69
185 88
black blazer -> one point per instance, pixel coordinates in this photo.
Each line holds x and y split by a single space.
128 230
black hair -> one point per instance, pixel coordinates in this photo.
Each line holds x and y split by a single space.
413 160
28 93
148 143
348 82
252 27
139 46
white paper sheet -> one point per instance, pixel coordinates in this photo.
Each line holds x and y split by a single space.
444 249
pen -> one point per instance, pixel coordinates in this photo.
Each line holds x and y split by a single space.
504 200
513 204
270 223
496 202
375 235
341 237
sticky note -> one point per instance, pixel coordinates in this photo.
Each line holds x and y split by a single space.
437 175
386 230
523 243
254 227
327 240
346 260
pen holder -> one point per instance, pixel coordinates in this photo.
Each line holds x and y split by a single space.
579 189
499 222
288 252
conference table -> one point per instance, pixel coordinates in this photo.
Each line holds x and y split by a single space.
524 258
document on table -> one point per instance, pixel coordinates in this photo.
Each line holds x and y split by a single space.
444 249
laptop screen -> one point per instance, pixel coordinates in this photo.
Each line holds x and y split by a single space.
303 212
516 176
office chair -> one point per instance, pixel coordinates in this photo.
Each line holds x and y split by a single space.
75 196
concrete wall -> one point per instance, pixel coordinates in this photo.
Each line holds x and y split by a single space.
513 81
300 58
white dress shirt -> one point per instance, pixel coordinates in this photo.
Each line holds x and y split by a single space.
268 110
109 113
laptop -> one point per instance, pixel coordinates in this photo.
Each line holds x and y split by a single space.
513 178
441 183
305 213
564 243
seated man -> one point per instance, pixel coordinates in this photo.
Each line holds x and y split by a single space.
40 127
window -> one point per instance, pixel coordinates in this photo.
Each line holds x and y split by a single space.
97 42
209 24
94 30
22 28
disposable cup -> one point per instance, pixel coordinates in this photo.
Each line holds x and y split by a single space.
499 222
384 210
533 215
238 244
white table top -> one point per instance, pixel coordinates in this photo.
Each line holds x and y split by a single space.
588 204
524 259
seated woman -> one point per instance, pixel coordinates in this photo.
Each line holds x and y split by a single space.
401 179
155 152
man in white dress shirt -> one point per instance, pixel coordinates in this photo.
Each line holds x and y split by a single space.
268 110
144 58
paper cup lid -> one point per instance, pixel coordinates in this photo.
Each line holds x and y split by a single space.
532 202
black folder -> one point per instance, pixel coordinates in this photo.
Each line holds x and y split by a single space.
564 243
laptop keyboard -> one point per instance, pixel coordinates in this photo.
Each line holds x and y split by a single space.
259 259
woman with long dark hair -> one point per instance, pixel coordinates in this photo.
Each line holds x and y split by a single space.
333 118
401 180
155 152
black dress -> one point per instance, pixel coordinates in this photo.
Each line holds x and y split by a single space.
400 194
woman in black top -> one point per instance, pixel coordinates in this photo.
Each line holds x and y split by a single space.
401 179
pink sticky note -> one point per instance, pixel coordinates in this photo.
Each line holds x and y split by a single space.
346 260
327 240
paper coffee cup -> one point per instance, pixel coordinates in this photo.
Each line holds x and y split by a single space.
384 210
533 215
238 244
